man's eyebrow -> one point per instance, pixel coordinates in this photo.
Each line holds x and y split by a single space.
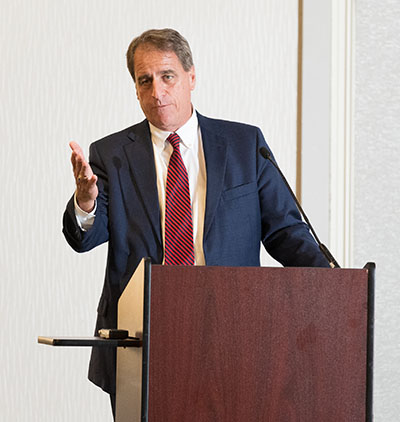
168 72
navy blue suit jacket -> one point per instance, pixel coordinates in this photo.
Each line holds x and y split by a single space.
247 203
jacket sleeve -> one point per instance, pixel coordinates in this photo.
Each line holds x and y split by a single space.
284 235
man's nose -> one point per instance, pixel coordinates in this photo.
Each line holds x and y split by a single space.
157 89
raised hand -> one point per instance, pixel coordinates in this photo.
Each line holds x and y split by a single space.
85 179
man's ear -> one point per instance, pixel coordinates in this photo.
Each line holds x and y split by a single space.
192 76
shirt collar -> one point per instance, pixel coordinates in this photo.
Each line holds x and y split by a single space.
187 133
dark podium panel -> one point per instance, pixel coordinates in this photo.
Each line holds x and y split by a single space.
248 344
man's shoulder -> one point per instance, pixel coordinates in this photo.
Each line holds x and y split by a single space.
226 126
123 136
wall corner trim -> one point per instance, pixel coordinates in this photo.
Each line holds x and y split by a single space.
342 132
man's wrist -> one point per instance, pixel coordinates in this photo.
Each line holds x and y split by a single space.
81 211
84 219
86 206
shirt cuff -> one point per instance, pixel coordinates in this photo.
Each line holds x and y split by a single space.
84 219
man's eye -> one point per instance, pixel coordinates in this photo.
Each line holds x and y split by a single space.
168 77
144 82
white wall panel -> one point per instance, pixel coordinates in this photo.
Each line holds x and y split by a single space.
63 78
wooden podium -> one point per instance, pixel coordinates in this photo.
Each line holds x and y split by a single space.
235 344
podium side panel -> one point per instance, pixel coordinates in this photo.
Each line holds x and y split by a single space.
129 391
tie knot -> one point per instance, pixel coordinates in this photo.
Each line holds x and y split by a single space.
174 140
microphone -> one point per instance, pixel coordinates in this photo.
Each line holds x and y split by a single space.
332 261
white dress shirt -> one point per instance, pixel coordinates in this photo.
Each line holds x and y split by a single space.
191 148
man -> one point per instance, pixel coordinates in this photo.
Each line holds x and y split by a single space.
237 199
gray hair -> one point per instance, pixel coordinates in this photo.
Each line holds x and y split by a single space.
164 40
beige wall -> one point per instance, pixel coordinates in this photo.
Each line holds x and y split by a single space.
366 67
63 78
377 184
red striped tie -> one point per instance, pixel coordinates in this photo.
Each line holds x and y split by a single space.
179 248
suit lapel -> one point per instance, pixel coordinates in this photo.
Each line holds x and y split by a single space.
215 153
140 156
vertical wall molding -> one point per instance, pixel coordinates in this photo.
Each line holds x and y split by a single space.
342 133
299 101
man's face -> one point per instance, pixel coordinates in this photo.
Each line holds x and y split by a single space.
163 88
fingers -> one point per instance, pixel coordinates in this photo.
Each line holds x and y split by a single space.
76 165
80 166
86 184
76 148
83 171
77 158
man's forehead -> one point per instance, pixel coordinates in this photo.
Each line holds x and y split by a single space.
149 59
148 51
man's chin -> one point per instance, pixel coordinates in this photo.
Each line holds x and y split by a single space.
166 120
164 123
